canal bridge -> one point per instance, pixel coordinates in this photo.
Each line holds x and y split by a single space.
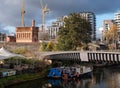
83 56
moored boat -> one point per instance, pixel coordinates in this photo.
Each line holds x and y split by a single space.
70 72
55 73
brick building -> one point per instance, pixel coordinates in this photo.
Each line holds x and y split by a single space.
10 38
27 34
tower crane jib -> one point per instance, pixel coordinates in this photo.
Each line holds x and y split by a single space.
45 10
23 13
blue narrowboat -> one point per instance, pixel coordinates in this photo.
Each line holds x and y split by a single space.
55 73
70 72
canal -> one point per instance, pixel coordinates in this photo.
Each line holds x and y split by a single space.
108 77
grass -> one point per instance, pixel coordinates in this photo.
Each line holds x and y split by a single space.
21 78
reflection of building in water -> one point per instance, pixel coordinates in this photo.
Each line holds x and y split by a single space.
27 34
106 78
115 82
79 83
112 77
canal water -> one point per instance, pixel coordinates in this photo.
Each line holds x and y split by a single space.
108 77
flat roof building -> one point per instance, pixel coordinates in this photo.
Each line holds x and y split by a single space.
27 34
90 17
107 26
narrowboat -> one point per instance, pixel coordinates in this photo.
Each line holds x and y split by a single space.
70 72
7 72
55 73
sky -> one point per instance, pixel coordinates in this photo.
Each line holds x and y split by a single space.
10 11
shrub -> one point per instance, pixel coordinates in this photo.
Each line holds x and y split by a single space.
20 50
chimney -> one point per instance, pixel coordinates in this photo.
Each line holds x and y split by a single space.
33 23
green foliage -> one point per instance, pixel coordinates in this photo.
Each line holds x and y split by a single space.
19 78
43 46
25 77
74 33
1 85
20 50
50 46
41 64
27 61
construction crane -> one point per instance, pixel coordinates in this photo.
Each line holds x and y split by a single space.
23 13
45 10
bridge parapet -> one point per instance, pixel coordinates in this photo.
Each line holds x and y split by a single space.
87 56
104 57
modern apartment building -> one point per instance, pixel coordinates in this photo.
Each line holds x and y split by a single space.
107 26
54 28
117 21
90 16
2 37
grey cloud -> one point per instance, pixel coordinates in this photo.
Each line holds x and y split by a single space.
10 11
2 30
96 6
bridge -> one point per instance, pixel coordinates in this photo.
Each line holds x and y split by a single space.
83 56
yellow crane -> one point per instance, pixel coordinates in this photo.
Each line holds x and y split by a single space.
45 10
23 13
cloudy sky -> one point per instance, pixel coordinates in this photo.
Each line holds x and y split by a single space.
10 11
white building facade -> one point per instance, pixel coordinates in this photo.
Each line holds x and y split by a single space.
54 28
89 16
117 21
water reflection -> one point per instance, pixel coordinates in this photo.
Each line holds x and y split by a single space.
55 82
102 78
84 83
106 78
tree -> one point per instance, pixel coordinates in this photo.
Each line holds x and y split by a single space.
43 46
21 50
75 32
112 37
112 34
50 46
